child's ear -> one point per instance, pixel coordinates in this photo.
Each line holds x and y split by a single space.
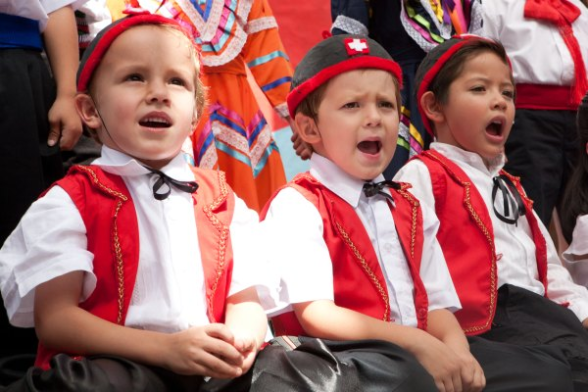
432 107
307 128
87 111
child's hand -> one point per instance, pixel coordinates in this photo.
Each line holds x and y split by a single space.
450 371
207 351
65 123
248 347
472 375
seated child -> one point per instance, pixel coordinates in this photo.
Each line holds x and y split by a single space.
574 211
138 262
358 255
504 265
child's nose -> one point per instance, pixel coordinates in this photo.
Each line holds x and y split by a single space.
157 92
373 116
499 101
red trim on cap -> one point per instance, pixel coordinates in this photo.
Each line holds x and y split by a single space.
300 92
109 36
431 73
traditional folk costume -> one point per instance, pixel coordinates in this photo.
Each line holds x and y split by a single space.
548 47
407 30
233 135
372 248
509 278
506 270
176 260
161 250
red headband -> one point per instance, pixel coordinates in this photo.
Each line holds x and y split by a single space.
97 49
463 40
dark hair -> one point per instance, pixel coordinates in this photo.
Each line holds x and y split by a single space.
575 200
453 67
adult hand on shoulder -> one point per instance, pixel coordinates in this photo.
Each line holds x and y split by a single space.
585 323
450 371
208 351
65 124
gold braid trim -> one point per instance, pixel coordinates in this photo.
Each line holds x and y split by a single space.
119 265
383 293
489 238
223 236
116 240
102 186
415 210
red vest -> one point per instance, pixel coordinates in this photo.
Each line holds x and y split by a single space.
357 277
467 239
112 230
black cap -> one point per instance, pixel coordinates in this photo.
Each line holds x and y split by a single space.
334 56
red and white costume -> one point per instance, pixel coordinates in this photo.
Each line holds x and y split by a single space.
356 251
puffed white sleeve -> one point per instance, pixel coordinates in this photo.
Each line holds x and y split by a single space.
50 241
298 254
416 173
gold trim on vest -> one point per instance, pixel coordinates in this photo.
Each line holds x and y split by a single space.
368 271
116 242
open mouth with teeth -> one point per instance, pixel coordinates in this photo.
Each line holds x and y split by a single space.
371 147
494 128
154 122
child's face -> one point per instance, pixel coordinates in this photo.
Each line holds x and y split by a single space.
358 122
144 91
480 108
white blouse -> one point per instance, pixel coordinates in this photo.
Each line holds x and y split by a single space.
536 49
36 9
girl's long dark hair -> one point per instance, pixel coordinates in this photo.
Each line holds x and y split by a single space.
575 200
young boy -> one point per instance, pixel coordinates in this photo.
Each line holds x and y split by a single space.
137 257
358 257
507 273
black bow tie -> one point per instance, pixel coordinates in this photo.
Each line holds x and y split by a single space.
163 184
511 199
376 188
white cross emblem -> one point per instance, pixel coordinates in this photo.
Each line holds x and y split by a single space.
358 45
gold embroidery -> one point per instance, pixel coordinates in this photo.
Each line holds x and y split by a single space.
489 238
116 241
415 210
383 293
119 265
223 236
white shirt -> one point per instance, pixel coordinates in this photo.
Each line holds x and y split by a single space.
515 247
301 255
169 293
36 9
576 255
536 49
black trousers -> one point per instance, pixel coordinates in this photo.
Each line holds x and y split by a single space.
315 365
542 149
527 319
